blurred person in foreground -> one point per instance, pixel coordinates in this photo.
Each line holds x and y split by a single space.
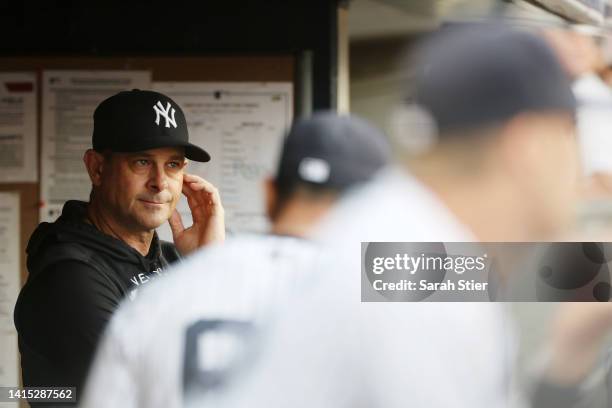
503 167
200 321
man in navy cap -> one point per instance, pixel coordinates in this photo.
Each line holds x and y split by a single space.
97 253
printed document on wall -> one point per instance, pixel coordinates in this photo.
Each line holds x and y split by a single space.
241 125
18 119
9 285
69 99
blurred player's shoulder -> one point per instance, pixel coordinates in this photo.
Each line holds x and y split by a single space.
394 206
233 278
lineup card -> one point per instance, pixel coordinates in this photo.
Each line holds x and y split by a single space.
242 126
18 118
9 288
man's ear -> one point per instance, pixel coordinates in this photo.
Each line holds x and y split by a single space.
94 162
271 198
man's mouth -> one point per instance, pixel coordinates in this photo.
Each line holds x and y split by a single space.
151 202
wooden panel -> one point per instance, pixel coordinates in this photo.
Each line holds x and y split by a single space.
222 68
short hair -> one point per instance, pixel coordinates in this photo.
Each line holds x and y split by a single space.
287 191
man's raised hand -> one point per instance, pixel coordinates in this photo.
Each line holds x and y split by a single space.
207 213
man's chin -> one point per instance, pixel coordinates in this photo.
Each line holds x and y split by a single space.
151 223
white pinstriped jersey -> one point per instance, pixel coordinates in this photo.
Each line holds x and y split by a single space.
189 328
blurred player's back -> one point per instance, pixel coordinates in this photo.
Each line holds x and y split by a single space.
331 350
187 332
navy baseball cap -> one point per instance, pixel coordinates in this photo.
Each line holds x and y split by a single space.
332 151
480 74
136 120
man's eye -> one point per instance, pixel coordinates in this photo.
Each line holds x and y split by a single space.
174 165
142 162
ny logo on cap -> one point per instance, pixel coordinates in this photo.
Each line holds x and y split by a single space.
165 112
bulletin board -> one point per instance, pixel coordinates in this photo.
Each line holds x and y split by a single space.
273 68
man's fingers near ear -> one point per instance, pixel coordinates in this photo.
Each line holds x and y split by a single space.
194 183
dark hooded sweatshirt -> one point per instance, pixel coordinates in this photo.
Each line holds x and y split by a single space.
77 278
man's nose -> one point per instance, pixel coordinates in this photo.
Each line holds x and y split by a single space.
158 179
